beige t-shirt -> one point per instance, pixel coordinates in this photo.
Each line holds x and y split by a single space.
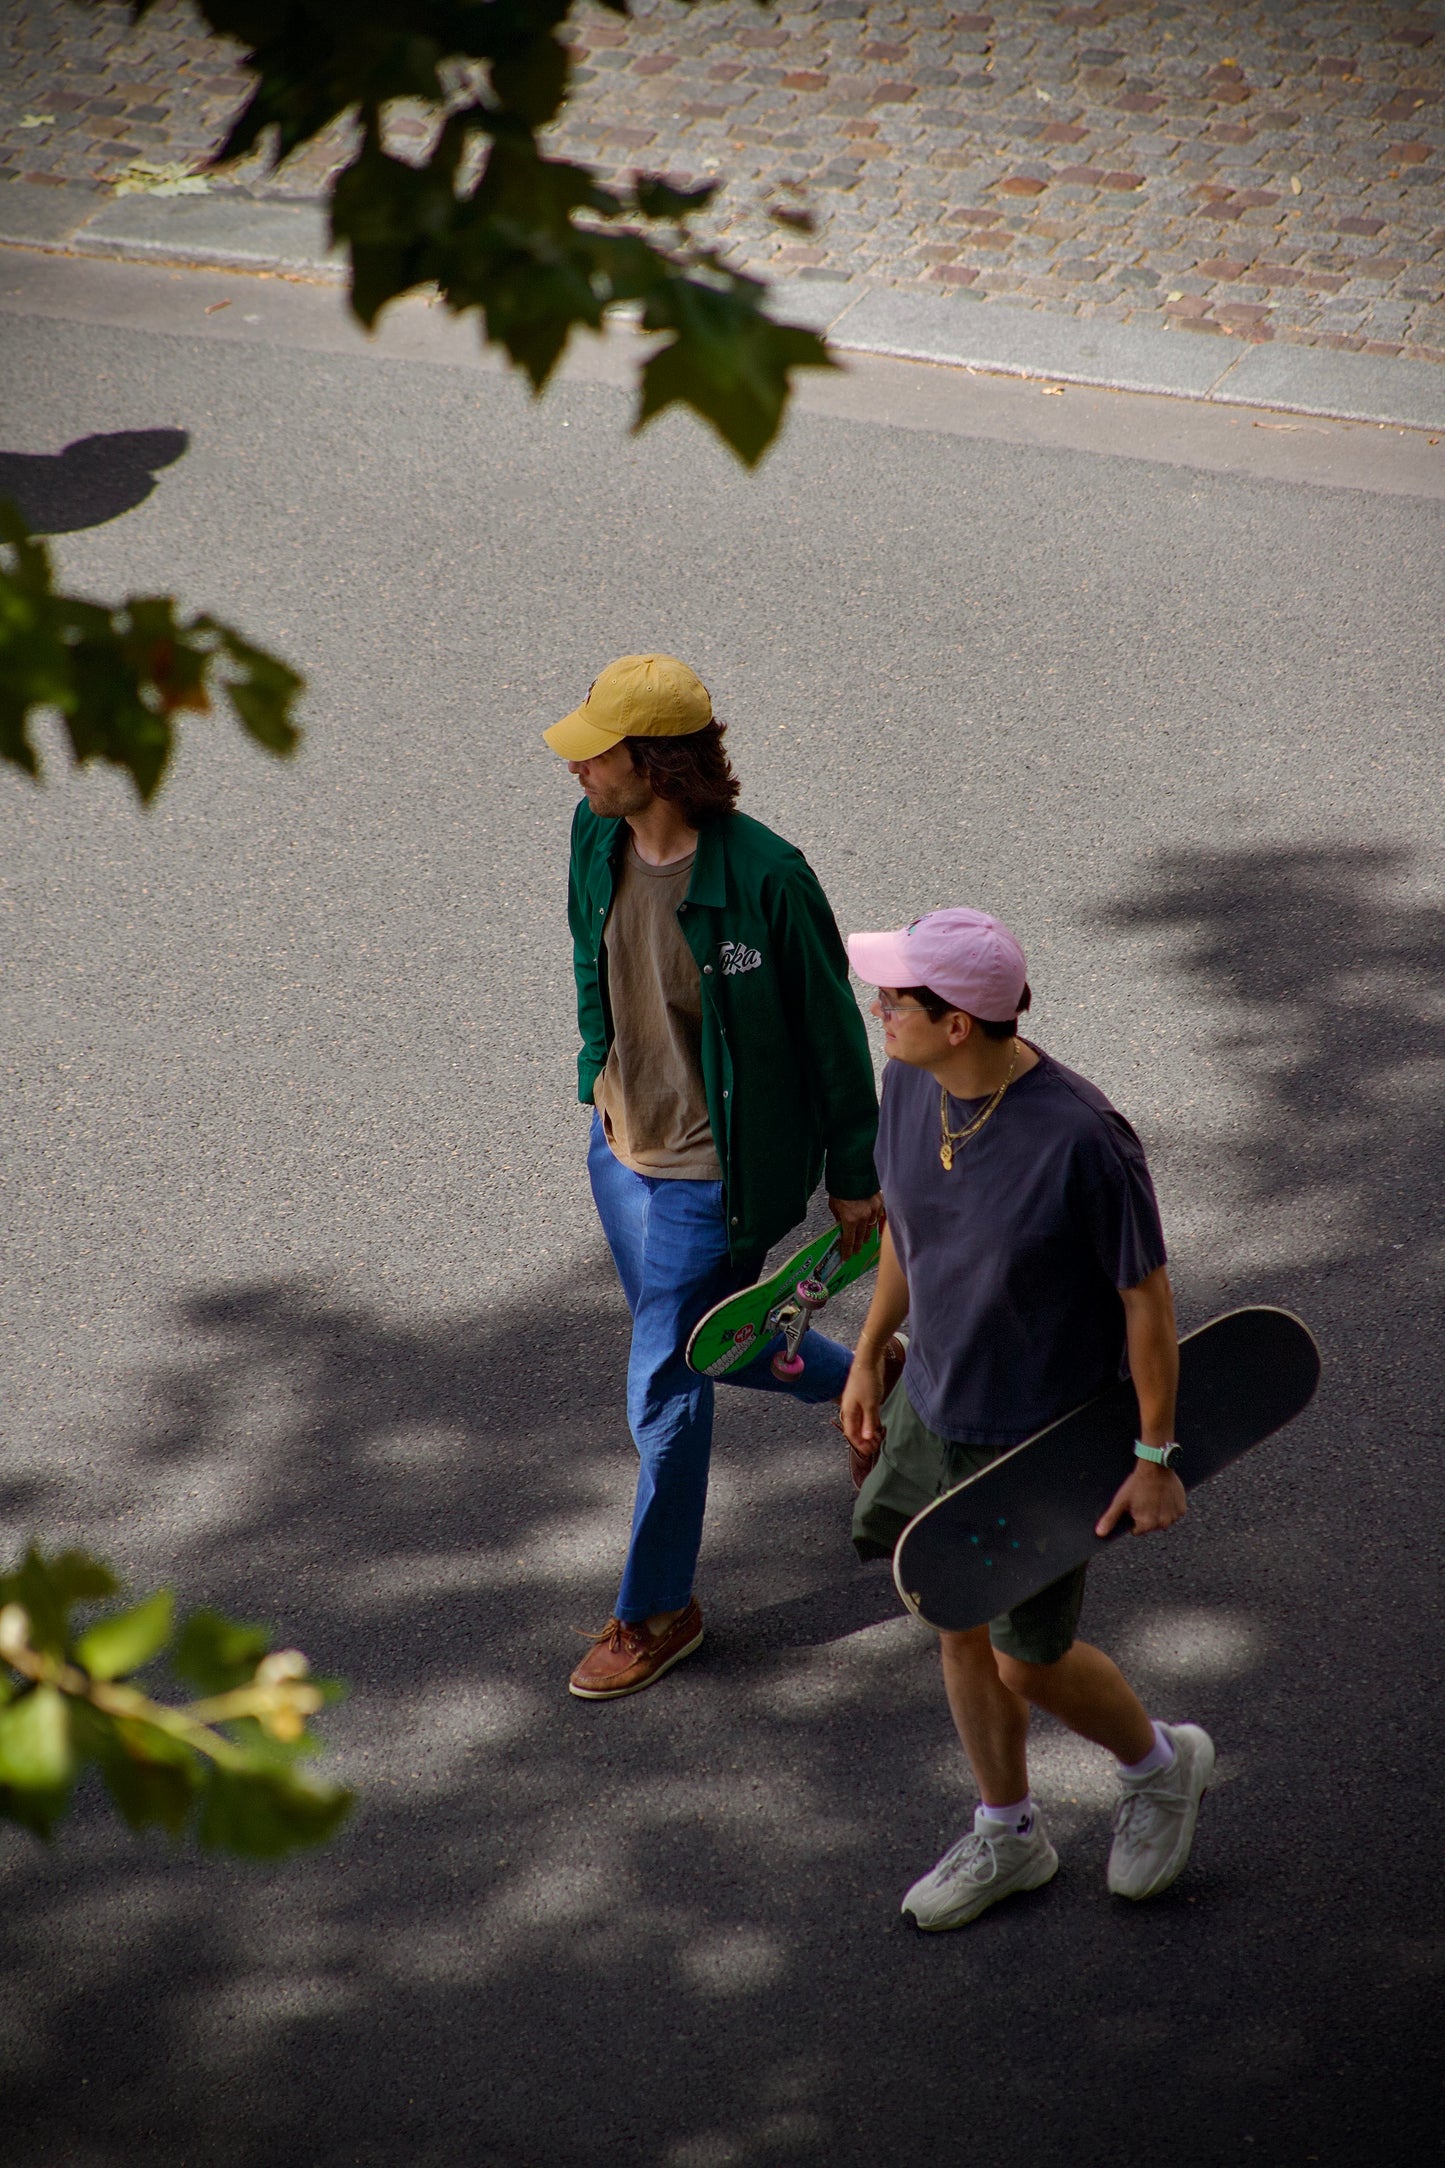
650 1092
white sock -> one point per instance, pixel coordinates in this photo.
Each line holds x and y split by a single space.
1160 1756
1017 1819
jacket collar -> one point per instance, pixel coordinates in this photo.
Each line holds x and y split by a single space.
709 884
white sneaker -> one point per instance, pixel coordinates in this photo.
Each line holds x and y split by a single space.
987 1864
1154 1827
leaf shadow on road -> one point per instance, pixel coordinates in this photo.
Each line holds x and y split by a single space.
92 481
665 1932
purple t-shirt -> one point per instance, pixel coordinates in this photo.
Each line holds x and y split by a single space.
1014 1259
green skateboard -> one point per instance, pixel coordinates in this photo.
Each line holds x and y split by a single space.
735 1332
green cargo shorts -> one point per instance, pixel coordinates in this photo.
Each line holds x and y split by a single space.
915 1467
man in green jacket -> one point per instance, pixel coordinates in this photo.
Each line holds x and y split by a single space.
728 1066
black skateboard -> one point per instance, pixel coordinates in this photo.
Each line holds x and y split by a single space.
1030 1516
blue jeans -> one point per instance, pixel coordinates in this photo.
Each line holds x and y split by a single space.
669 1243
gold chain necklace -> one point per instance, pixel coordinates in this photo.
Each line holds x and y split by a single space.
955 1138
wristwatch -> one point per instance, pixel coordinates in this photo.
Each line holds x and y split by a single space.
1163 1456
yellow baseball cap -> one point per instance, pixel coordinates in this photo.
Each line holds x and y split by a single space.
638 696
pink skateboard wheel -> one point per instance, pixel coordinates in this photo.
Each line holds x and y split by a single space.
782 1368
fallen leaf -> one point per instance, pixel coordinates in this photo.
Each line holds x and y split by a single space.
1053 391
36 120
212 306
1177 295
1296 185
143 177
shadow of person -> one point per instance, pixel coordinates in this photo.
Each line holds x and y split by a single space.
93 480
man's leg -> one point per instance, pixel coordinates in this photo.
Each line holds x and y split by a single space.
992 1721
1164 1769
1088 1692
669 1406
1006 1849
669 1241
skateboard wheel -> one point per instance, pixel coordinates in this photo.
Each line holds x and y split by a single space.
812 1294
784 1366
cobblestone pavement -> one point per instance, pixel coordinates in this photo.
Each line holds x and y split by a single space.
1269 169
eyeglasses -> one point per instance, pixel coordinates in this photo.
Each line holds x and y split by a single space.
887 1011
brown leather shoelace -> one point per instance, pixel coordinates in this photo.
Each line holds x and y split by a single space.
616 1634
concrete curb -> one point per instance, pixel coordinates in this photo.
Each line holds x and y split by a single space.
242 233
1002 338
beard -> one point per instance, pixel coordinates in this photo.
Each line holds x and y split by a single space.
614 801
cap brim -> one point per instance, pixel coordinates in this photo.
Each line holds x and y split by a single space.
880 959
575 738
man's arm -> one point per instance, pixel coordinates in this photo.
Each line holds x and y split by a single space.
1153 1497
591 1020
833 1047
863 1393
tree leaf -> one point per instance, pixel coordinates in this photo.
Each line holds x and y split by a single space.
265 1813
265 695
726 360
48 1588
117 677
531 81
114 1647
153 1778
215 1653
35 1748
659 198
529 246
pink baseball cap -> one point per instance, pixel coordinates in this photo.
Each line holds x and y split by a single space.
964 956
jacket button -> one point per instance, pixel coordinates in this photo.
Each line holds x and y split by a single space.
707 971
727 1095
735 1219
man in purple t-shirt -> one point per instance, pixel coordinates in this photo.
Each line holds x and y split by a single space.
1023 1246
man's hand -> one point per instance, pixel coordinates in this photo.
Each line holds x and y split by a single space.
1153 1497
857 1216
862 1401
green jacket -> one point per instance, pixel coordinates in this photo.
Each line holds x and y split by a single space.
785 1063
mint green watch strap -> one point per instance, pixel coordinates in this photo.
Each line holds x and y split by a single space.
1163 1456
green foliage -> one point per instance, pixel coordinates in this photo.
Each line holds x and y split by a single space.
537 245
227 1764
127 1640
215 1653
37 1759
118 677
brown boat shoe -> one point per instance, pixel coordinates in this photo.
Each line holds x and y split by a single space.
624 1658
861 1465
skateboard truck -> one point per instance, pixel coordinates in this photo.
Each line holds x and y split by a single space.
791 1318
735 1331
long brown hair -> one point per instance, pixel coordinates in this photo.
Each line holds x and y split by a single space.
694 772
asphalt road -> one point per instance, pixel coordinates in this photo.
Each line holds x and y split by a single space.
307 1311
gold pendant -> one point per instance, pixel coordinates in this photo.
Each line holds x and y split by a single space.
945 1153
